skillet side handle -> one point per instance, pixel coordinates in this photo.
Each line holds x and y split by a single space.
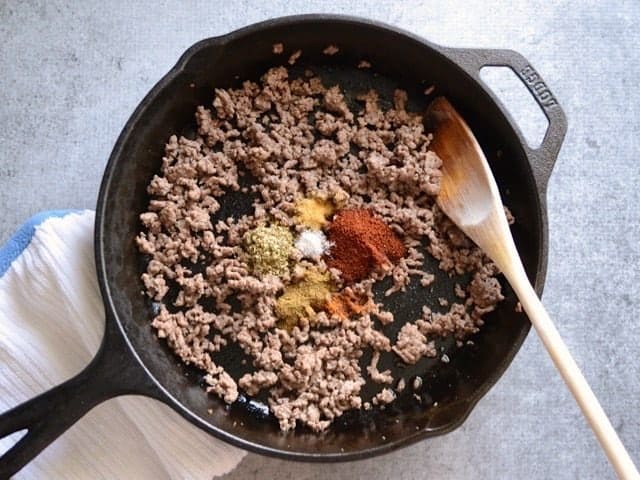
112 372
542 159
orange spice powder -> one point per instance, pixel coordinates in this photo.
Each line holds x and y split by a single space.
346 304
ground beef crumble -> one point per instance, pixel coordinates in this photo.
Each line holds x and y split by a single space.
298 137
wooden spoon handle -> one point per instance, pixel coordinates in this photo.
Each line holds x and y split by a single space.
571 374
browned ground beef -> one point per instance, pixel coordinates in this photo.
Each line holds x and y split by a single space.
298 137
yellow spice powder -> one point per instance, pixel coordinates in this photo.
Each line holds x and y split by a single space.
303 299
313 212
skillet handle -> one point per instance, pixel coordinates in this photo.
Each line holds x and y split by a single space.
112 372
542 158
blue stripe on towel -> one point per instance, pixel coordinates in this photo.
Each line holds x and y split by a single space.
19 241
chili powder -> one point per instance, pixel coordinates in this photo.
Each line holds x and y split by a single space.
361 244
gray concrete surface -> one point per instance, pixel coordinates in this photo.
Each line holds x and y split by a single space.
72 72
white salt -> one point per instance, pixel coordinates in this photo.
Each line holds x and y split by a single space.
312 243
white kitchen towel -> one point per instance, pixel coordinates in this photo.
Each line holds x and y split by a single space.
51 324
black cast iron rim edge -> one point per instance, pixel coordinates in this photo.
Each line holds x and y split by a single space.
101 261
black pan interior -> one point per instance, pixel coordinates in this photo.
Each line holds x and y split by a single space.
449 390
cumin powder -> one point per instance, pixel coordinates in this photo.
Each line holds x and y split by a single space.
303 299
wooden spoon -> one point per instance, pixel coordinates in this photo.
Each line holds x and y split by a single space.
470 198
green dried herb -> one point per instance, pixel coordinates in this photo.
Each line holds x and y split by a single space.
269 248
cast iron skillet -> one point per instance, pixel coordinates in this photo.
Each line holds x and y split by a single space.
132 360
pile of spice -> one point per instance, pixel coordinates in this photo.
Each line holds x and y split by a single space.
343 199
313 212
346 304
269 249
362 243
312 244
303 298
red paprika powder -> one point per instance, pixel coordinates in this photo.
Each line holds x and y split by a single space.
361 243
